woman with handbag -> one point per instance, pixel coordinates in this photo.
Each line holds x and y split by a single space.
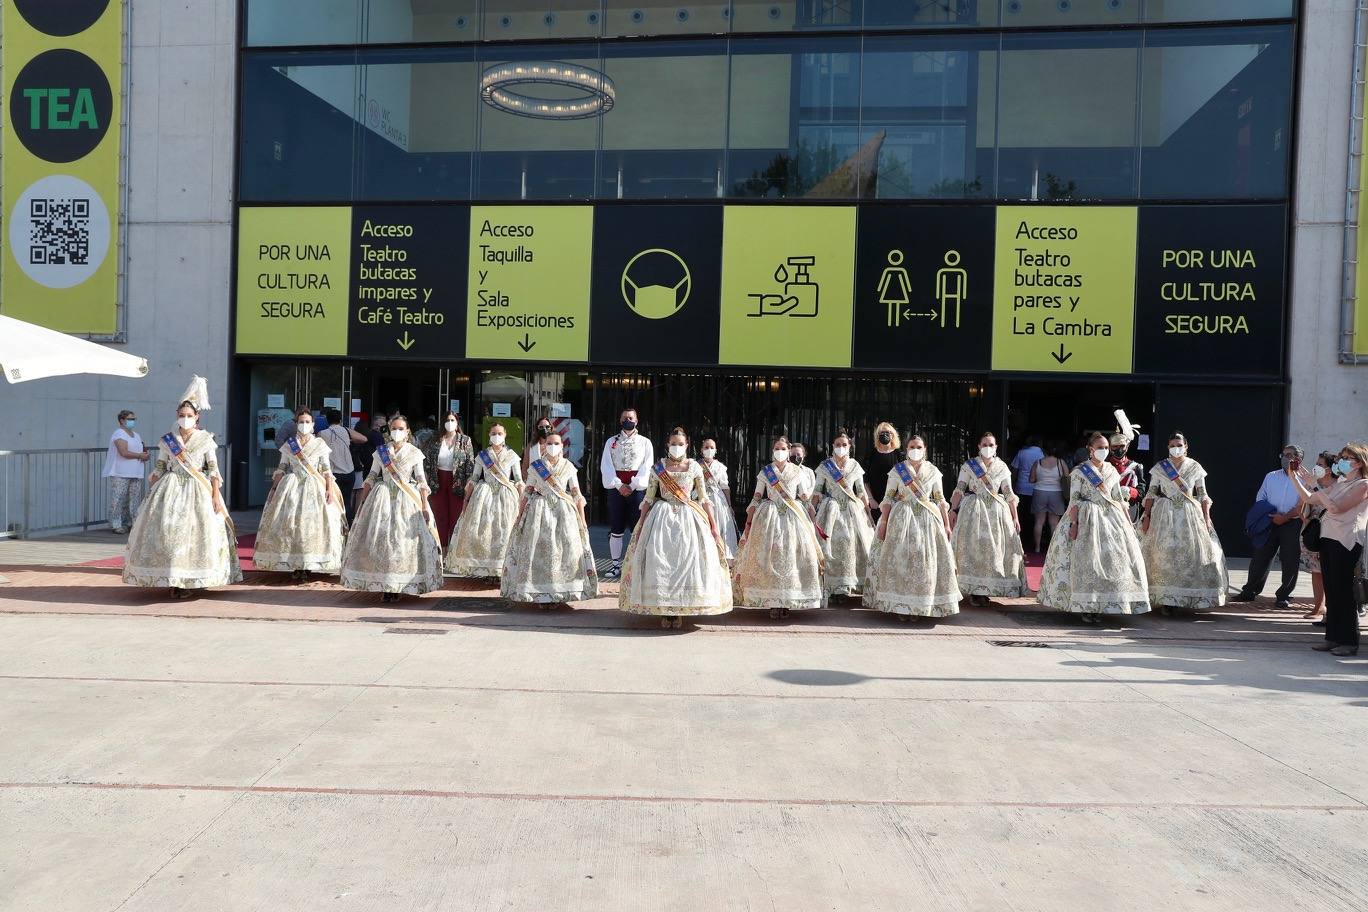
1324 474
1342 528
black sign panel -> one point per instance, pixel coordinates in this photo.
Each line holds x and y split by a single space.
408 282
924 288
656 285
1209 288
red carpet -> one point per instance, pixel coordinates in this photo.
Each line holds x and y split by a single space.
246 548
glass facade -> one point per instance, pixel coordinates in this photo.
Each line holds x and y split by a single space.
801 101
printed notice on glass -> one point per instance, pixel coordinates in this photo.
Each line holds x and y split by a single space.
1064 289
529 273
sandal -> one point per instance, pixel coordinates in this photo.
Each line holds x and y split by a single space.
1314 615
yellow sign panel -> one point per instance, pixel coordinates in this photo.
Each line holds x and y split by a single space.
529 283
60 149
1361 276
787 285
1064 289
293 280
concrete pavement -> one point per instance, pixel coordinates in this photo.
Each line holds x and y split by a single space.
270 747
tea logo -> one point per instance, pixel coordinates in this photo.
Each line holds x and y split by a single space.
61 105
656 283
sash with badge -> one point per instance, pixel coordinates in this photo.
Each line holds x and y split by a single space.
173 444
772 479
982 475
493 469
905 476
545 474
676 490
838 476
387 461
1091 476
1171 472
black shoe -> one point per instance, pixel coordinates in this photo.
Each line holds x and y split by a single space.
1282 604
1243 596
1344 651
1325 647
613 572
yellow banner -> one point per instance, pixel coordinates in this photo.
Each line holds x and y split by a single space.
62 85
1361 276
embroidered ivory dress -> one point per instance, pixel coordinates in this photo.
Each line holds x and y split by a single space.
392 547
988 553
779 565
177 539
715 475
845 519
1184 563
480 540
300 528
912 571
549 559
1103 571
674 566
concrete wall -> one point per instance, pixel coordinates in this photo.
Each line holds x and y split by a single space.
1329 401
179 237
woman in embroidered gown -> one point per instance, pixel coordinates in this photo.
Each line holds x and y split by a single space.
1184 562
779 561
393 546
676 565
842 506
719 495
182 536
1094 565
989 558
301 525
911 567
480 542
549 560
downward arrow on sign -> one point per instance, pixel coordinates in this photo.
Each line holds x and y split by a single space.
1061 356
526 344
406 343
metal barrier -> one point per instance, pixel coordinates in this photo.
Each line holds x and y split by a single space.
46 491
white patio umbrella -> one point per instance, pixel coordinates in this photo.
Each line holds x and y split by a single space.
29 352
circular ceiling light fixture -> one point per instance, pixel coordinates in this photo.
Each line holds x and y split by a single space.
596 92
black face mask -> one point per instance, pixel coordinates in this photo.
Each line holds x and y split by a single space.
628 424
543 431
1117 454
885 437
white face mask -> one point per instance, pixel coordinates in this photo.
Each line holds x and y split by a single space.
916 454
304 427
988 452
1101 454
496 439
399 436
1175 452
840 451
552 449
709 452
1319 471
187 422
450 426
676 451
780 455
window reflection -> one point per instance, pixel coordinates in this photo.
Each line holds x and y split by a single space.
1215 114
794 121
1067 116
530 157
930 103
924 13
1070 12
542 20
659 141
1216 10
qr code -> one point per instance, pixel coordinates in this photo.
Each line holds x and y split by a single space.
60 232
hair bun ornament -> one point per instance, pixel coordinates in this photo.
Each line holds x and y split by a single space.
197 392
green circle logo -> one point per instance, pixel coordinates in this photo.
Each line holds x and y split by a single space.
656 283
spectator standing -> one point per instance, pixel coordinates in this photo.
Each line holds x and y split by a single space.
124 467
1022 463
1284 535
1342 528
339 439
